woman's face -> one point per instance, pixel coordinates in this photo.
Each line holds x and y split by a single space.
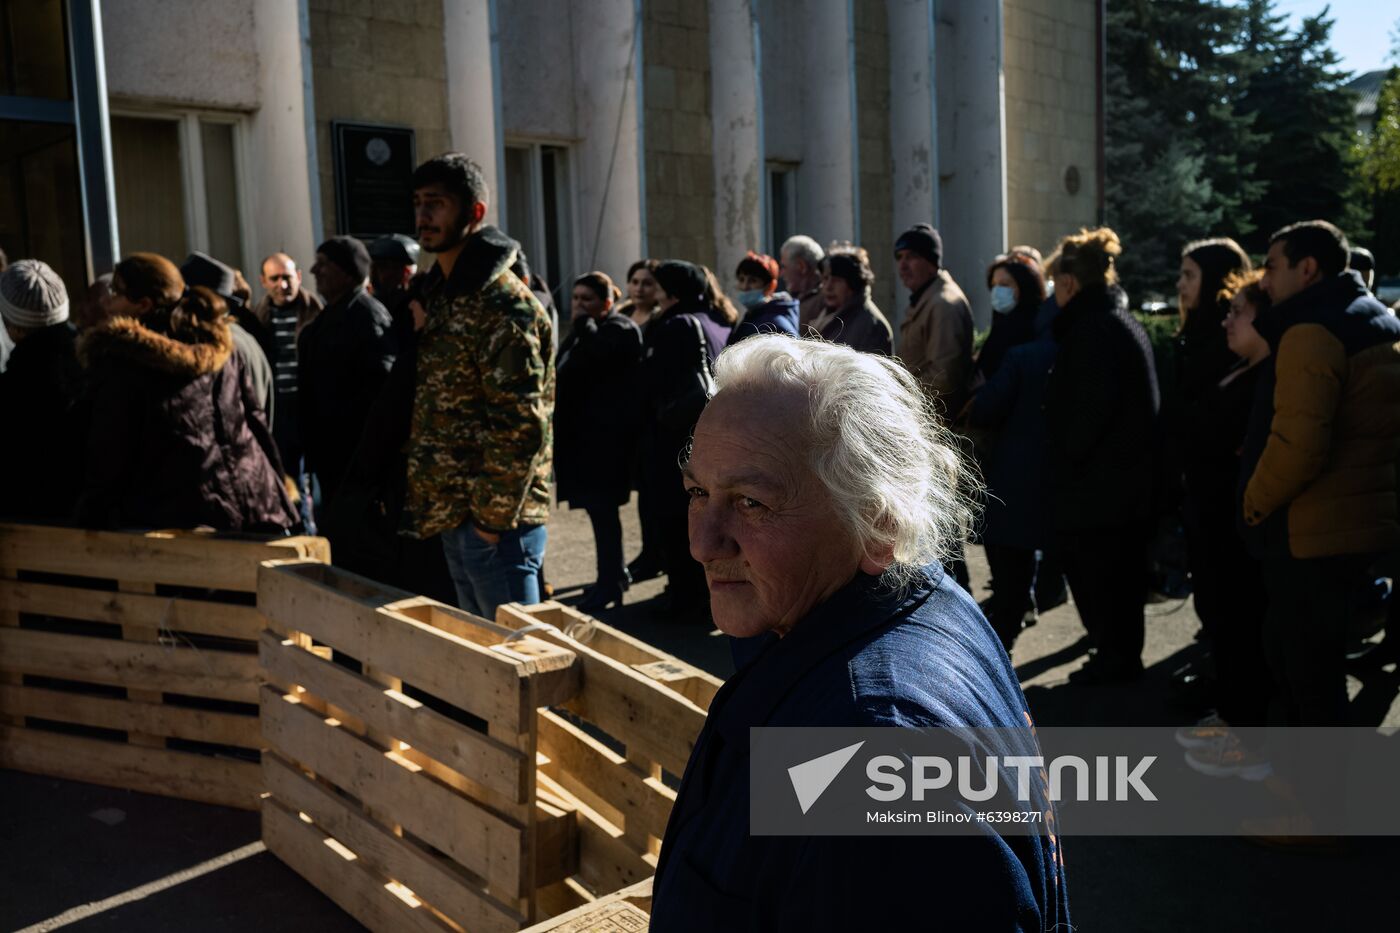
836 292
642 288
664 302
1188 283
1240 334
587 302
1066 287
116 303
1003 278
751 283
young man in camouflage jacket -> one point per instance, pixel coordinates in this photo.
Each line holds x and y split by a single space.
480 450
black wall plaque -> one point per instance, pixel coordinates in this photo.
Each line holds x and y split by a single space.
373 167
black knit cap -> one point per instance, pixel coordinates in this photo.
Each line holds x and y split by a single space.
922 240
683 281
349 254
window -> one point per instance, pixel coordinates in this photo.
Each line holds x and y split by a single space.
178 185
539 211
34 50
41 206
781 193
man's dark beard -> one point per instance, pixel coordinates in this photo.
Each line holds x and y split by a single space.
456 231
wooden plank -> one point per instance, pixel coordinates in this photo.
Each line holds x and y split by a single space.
205 778
437 880
145 635
348 881
562 897
176 722
9 618
475 678
184 615
606 862
557 675
176 558
482 842
471 753
649 719
696 685
556 839
625 911
220 675
585 766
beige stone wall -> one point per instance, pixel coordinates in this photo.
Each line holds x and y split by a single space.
679 162
876 167
176 52
1051 103
378 61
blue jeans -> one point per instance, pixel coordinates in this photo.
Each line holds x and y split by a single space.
487 575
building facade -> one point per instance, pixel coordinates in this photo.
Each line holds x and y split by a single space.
609 129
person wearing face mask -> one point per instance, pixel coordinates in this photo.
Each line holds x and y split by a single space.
765 309
1017 291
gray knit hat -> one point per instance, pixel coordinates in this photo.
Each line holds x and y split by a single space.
32 295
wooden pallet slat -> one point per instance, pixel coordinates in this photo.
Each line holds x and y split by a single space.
162 612
165 721
484 843
205 778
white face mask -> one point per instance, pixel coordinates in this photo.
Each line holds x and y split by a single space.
1003 299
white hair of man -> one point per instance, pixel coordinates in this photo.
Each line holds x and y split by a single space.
892 470
804 248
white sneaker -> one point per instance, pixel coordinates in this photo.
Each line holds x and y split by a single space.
1208 731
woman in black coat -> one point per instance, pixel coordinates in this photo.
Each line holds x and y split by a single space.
177 438
1101 408
592 430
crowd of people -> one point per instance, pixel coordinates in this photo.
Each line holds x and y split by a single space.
425 421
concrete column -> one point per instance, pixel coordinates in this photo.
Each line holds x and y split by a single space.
474 91
283 194
971 103
736 110
608 165
913 113
828 203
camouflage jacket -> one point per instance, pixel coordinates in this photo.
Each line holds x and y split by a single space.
481 442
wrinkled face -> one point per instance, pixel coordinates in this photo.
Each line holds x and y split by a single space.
836 292
642 288
761 522
799 276
587 301
915 271
1188 283
282 280
1282 280
1240 334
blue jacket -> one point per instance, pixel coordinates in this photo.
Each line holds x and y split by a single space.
1013 401
777 315
865 657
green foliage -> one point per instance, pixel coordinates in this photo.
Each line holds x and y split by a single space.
1221 122
1379 153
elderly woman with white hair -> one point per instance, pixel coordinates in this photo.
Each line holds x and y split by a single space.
823 493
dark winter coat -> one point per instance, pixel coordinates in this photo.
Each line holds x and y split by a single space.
866 657
1011 329
1101 410
1323 446
39 392
1012 403
343 356
593 432
861 326
177 439
777 315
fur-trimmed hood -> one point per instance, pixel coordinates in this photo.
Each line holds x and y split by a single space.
191 349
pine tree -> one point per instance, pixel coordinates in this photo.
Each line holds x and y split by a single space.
1299 102
1180 157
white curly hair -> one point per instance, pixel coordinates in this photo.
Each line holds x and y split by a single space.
892 469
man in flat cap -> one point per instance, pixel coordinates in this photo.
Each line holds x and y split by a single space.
343 357
202 269
393 264
935 338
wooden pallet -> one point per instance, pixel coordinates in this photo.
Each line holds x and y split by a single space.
130 660
614 751
406 790
625 911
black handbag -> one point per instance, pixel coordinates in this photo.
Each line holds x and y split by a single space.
682 409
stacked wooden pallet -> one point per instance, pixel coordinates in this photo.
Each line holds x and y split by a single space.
130 660
613 752
405 789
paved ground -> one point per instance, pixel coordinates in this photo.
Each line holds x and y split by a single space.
65 845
